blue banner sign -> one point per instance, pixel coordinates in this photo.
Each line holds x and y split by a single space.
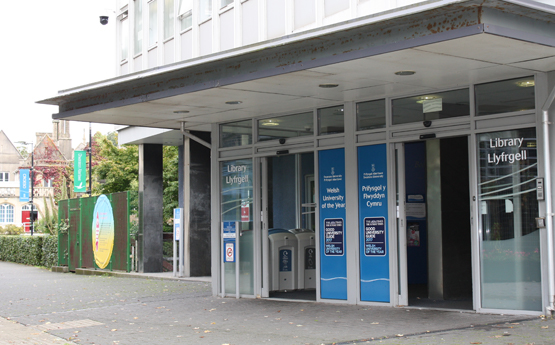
373 213
24 182
333 262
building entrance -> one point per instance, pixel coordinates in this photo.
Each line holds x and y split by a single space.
288 218
434 224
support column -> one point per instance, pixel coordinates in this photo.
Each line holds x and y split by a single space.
150 208
195 199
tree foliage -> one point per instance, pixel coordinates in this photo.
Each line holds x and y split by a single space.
116 169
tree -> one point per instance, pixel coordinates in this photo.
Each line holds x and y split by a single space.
115 168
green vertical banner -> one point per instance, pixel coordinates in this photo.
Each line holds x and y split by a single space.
80 171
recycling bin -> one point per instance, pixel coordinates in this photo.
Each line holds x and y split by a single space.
283 258
306 263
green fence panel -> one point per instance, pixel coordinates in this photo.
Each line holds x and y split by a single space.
121 252
87 238
63 249
75 248
73 233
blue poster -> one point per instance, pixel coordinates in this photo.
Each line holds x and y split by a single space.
24 182
333 261
373 213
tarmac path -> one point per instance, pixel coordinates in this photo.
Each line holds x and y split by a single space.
41 307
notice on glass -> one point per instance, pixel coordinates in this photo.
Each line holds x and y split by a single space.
333 232
374 236
416 210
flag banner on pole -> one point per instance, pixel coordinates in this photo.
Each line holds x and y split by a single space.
24 182
80 171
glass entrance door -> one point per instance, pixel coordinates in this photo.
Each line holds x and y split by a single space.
434 229
288 226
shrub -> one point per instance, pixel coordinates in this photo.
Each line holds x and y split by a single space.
11 229
30 250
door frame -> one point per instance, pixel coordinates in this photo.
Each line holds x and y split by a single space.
399 182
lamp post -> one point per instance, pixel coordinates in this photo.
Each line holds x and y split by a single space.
32 213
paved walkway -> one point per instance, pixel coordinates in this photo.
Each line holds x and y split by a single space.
41 307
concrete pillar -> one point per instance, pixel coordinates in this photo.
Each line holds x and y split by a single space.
150 208
195 199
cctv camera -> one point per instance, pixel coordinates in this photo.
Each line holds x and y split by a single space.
103 20
282 141
427 123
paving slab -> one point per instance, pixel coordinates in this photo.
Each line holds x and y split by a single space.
105 309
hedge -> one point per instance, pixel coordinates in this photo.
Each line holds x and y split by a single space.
30 250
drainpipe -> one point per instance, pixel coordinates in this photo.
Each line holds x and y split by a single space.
548 204
199 140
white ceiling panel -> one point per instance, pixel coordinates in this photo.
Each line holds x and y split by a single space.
491 48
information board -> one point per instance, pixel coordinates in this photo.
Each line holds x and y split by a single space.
373 213
333 262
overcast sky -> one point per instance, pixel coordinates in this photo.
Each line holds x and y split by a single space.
50 46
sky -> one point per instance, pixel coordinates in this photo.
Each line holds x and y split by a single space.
50 46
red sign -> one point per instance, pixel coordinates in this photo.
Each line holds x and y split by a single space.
245 215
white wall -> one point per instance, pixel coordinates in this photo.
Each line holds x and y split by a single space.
242 22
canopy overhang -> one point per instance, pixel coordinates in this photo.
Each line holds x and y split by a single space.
448 44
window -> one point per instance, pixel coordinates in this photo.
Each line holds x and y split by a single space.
152 24
168 19
4 176
138 33
330 120
224 3
185 14
236 133
48 183
124 38
431 106
286 126
6 213
505 96
371 115
205 10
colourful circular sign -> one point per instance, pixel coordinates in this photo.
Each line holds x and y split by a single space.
103 231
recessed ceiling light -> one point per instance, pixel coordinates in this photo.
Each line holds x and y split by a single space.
233 102
526 83
405 72
328 86
269 122
181 111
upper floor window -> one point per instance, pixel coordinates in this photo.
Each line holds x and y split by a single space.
431 106
288 126
124 38
6 213
224 3
331 120
138 33
185 14
371 115
236 133
168 19
48 183
152 23
505 96
205 10
4 176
